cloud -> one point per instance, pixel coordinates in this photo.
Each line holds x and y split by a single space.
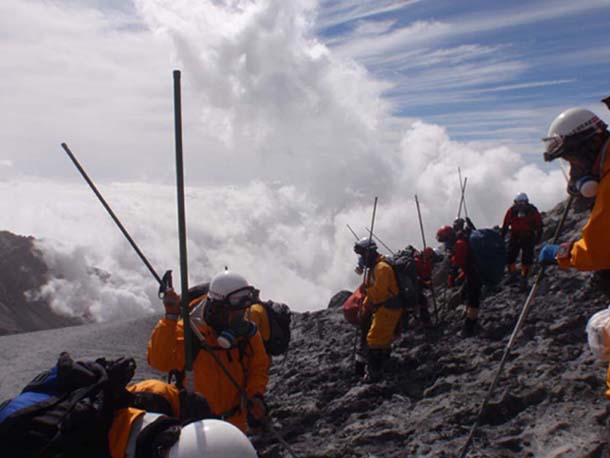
285 141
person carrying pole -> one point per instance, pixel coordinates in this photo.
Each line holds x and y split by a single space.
580 137
381 299
229 339
424 269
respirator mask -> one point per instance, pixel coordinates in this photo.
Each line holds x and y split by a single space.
227 317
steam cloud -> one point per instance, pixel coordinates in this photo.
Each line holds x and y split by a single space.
285 144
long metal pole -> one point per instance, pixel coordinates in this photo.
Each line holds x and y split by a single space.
511 341
352 231
423 237
462 196
111 213
184 282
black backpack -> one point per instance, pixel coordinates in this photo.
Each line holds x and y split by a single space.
405 269
279 326
66 412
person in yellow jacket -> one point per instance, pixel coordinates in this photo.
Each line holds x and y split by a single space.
581 138
235 341
381 299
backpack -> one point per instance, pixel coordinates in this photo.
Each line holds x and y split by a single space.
489 253
66 411
351 307
279 327
405 269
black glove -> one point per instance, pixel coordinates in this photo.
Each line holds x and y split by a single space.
194 407
257 411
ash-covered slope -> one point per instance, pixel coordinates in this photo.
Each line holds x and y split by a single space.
23 270
548 403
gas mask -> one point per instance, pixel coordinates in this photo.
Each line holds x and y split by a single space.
582 181
229 324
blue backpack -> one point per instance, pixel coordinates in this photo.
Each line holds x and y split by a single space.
489 254
66 411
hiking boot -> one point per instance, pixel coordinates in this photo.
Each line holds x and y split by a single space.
513 277
469 329
359 369
523 285
374 367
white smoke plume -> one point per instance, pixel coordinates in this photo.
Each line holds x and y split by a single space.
285 144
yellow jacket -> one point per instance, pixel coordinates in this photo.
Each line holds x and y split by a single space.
381 285
166 352
592 251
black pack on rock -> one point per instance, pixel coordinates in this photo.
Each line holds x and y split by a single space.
279 327
405 268
66 411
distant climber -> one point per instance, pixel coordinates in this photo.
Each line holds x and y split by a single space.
523 224
425 263
382 310
235 340
463 270
578 136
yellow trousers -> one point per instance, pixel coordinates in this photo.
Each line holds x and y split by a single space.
382 328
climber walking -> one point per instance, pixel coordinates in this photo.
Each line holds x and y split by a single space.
523 224
463 270
382 309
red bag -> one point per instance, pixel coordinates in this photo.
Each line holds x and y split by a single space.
352 306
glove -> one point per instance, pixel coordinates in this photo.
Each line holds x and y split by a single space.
257 411
171 302
360 267
548 255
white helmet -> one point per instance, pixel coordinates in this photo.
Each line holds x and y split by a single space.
212 439
521 198
231 288
365 244
573 121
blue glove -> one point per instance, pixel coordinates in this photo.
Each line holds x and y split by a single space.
548 255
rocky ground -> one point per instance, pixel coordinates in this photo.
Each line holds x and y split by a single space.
549 402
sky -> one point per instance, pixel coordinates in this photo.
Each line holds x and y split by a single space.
295 116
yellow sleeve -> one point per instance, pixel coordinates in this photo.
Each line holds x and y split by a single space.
166 346
383 286
592 251
258 367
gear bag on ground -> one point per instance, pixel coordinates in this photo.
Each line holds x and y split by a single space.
65 411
